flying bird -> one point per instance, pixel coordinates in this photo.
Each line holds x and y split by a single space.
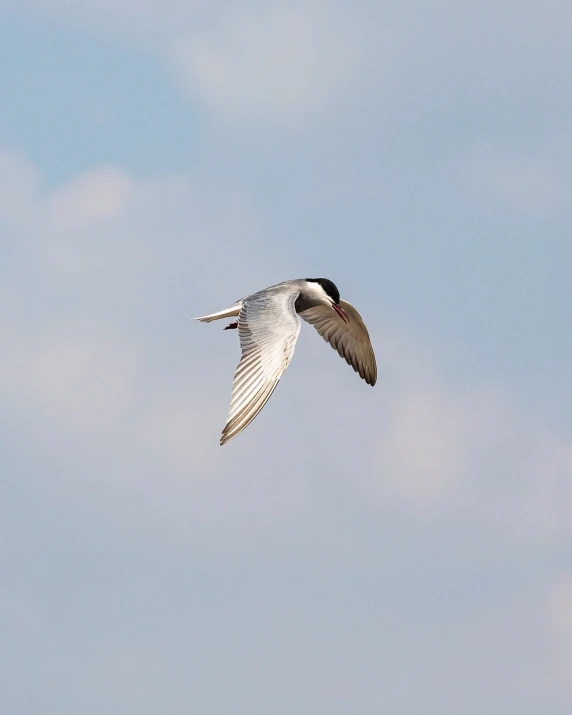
268 327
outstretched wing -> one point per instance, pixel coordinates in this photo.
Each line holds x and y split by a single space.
350 339
268 328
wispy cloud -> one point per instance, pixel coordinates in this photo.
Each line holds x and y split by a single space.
93 197
352 541
441 450
83 373
450 450
282 64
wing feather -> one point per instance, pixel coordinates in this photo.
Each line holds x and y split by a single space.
351 339
268 328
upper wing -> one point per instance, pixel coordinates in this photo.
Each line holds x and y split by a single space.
351 339
268 328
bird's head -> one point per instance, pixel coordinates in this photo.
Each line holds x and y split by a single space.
327 293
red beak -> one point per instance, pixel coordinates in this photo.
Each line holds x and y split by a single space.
341 312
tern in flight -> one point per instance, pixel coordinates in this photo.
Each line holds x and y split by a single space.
268 327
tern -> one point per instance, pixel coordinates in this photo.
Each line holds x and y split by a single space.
268 327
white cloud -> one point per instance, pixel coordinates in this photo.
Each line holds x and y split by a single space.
93 197
446 451
423 445
287 63
104 266
282 63
81 343
112 405
70 378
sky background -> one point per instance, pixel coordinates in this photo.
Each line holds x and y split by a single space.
406 549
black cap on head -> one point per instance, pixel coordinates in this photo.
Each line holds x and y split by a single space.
329 287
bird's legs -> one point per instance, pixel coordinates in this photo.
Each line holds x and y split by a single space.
232 326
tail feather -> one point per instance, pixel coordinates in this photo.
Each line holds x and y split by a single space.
226 313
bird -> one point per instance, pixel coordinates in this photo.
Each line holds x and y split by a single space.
268 326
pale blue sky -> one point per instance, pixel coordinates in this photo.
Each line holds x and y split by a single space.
406 549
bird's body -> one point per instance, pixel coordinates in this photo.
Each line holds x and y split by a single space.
268 327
